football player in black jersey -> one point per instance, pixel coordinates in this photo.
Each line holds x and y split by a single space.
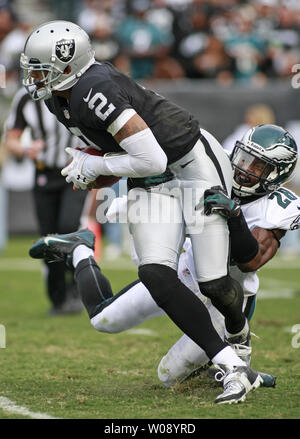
169 161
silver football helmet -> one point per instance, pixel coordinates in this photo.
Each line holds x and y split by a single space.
55 56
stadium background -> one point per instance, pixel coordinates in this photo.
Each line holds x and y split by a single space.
204 64
216 58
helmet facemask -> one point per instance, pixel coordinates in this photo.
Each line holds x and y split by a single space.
39 78
253 175
264 159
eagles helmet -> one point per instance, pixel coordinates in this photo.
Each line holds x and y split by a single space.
50 49
263 160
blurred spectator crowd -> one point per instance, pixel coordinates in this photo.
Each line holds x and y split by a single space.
228 41
245 42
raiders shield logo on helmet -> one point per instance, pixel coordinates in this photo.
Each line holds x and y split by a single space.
65 49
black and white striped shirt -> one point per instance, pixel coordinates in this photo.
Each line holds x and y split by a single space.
26 113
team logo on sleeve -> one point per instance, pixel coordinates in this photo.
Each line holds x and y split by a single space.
65 50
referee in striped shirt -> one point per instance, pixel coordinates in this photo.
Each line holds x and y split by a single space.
58 207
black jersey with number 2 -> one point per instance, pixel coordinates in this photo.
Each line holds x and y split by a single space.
103 93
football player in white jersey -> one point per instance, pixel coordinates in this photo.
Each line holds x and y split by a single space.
264 159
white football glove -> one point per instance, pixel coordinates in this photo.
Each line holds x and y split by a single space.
74 172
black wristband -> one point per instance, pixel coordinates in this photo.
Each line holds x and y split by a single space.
244 246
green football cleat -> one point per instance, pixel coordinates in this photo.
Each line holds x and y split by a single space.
58 248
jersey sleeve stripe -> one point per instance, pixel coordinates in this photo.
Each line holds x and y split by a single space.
120 121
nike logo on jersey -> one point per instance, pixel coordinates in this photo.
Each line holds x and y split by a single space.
88 96
183 166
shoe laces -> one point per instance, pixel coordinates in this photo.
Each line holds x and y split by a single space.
221 373
231 385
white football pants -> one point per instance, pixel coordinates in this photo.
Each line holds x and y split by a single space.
160 217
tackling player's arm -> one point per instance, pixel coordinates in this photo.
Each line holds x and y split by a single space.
249 250
268 244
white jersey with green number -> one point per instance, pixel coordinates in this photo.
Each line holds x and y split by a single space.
278 210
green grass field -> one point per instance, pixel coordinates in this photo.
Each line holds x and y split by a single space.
62 367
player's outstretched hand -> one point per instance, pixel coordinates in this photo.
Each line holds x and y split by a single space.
217 201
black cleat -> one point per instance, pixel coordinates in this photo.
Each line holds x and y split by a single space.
57 248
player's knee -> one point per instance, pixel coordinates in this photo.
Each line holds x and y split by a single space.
102 324
160 280
225 291
175 368
164 372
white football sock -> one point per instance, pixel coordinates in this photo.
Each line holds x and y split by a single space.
228 357
81 252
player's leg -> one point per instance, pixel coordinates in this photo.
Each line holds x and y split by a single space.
210 166
205 166
130 307
185 356
107 312
212 274
158 247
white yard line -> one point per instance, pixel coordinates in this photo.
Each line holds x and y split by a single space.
277 289
286 293
11 407
142 331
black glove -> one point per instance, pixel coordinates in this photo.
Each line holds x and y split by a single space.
217 201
